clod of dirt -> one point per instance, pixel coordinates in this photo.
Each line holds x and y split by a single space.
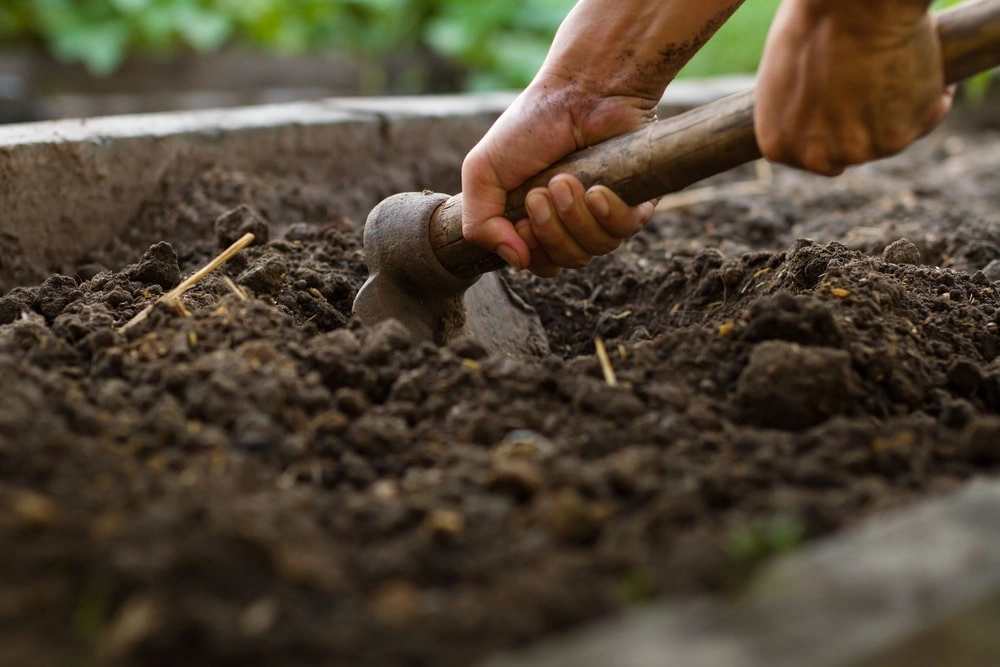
790 386
964 377
903 251
265 275
794 318
54 295
157 266
10 309
571 518
233 224
980 440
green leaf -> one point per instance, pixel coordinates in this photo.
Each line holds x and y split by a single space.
203 30
131 6
101 47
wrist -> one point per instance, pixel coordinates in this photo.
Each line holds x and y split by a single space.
631 48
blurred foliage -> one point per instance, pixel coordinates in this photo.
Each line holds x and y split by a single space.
777 534
500 42
737 46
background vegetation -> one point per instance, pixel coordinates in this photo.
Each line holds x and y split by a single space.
500 43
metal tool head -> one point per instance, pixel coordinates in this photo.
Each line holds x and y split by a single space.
408 283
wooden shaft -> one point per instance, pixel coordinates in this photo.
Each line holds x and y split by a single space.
671 154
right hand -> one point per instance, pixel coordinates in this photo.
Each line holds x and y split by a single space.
842 83
567 225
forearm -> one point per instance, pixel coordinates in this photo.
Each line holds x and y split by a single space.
631 48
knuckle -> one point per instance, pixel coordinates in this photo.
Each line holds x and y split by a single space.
771 148
855 150
895 140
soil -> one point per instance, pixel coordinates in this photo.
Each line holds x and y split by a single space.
262 481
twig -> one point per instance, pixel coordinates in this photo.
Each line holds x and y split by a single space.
765 172
606 368
234 288
191 281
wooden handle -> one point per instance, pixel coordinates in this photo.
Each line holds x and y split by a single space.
671 154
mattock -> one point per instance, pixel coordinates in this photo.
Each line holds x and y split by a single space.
426 275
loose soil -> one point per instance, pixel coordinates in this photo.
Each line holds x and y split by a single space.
262 481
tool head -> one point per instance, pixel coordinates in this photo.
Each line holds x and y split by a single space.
408 283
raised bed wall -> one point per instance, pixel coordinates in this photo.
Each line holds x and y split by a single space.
68 186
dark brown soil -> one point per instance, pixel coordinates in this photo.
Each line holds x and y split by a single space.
264 482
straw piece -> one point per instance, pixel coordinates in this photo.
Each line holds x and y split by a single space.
191 281
234 288
606 368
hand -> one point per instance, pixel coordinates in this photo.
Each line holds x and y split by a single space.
843 83
566 225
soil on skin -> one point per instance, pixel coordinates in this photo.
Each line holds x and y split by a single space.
263 481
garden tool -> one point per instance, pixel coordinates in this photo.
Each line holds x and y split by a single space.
426 275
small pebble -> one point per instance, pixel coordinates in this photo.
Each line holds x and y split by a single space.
903 251
523 444
442 523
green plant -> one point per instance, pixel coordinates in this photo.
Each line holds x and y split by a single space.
501 44
737 47
774 535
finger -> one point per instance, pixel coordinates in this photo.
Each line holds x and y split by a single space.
483 222
615 217
855 145
815 154
523 228
550 232
498 235
577 217
941 109
541 264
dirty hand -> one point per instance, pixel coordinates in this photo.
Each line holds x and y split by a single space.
842 83
608 66
567 225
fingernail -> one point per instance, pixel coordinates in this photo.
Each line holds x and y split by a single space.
508 255
562 194
523 228
648 210
598 201
538 207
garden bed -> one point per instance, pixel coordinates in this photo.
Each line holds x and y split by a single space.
261 481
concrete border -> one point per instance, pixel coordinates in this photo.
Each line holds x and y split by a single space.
839 601
67 187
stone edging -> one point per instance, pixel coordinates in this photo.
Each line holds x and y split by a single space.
67 187
839 601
